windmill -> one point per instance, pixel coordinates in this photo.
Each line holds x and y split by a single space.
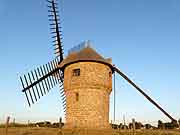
85 80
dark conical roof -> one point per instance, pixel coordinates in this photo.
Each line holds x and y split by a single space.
86 54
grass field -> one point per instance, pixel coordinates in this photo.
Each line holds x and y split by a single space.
55 131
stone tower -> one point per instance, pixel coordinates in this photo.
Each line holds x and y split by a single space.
87 85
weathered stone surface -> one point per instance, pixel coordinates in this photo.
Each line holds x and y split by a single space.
87 95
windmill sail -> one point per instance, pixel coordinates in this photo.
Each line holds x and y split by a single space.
55 29
143 93
54 19
38 82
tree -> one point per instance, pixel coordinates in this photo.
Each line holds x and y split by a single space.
148 126
138 125
120 126
160 124
175 124
130 125
114 126
167 125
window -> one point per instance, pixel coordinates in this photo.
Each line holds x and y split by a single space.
77 96
76 72
110 74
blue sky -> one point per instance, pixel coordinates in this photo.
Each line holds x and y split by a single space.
141 37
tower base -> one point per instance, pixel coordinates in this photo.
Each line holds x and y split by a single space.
86 126
87 131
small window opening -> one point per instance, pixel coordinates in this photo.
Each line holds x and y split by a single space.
77 96
76 72
110 74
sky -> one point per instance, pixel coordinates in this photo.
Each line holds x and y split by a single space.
141 37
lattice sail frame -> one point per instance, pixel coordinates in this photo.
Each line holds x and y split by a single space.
39 81
54 19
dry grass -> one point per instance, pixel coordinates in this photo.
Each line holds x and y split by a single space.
55 131
29 131
149 132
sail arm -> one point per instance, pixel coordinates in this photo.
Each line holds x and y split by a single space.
143 93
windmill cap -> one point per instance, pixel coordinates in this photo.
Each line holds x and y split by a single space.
87 54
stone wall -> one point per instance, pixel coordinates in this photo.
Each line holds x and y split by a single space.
87 95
